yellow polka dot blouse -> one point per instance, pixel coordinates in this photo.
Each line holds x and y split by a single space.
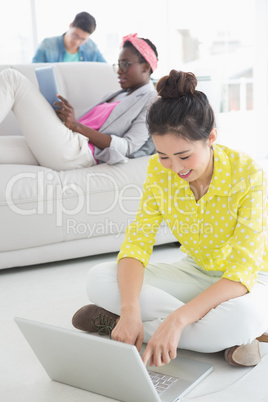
226 230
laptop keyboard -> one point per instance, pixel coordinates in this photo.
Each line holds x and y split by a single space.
161 381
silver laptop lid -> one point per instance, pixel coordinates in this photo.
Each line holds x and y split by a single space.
100 365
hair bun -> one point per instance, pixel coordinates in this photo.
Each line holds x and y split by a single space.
176 85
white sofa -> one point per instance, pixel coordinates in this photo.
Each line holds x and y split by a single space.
50 216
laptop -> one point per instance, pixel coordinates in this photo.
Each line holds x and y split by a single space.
106 367
47 82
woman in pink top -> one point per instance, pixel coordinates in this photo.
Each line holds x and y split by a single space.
111 131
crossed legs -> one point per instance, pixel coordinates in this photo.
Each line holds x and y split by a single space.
168 286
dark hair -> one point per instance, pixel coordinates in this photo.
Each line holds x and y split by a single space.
84 21
180 109
141 58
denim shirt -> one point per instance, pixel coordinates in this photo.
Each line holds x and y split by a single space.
52 50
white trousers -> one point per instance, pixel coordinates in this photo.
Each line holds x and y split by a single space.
52 144
168 286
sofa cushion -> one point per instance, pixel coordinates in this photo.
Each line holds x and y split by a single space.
40 206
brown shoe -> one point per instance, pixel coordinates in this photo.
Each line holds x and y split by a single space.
244 355
263 337
92 318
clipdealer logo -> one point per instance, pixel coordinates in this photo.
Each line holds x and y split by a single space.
50 197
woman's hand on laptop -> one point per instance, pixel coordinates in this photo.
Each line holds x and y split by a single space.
129 329
162 347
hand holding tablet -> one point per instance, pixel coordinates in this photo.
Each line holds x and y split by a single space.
48 84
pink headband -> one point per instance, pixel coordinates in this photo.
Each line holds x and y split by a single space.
145 50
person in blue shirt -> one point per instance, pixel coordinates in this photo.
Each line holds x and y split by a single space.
73 45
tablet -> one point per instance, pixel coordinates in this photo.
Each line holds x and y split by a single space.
48 84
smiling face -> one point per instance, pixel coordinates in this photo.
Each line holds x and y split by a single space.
136 75
190 160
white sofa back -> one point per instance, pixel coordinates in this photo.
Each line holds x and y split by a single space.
82 85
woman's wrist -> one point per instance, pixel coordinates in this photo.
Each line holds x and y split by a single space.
77 127
130 308
182 320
